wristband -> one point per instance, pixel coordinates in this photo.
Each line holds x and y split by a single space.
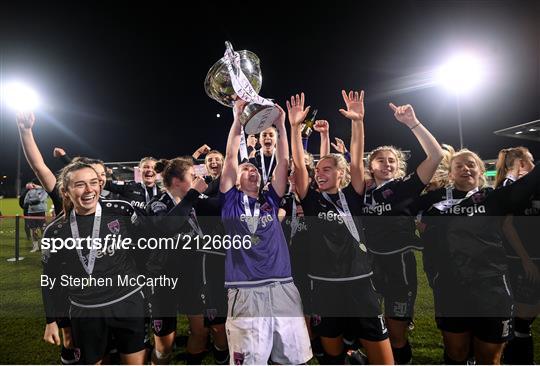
416 125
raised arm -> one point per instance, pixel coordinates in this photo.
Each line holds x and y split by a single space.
322 127
355 112
203 150
405 114
297 114
280 176
25 122
230 165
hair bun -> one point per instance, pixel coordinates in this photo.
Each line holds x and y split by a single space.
161 165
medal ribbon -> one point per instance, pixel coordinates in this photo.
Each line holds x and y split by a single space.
87 263
266 174
345 214
251 220
239 81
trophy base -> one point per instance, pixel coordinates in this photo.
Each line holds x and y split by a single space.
257 118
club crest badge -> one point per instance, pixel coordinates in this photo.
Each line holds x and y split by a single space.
114 227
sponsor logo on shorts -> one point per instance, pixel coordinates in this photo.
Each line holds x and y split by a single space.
315 319
238 358
211 314
157 324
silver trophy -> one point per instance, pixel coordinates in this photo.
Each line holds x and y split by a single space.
219 86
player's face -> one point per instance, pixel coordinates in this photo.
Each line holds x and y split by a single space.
214 164
465 172
186 182
83 190
248 177
327 175
148 172
384 166
102 174
268 139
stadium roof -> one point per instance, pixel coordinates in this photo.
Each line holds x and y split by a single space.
526 131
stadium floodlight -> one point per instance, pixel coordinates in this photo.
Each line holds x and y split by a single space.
462 73
20 97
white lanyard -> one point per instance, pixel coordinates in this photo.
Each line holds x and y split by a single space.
450 201
147 197
294 218
251 220
370 193
88 263
194 223
345 213
243 145
241 84
266 173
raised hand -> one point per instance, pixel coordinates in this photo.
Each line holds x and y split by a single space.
58 152
238 108
322 126
25 120
339 145
295 109
404 114
199 184
355 105
252 141
280 120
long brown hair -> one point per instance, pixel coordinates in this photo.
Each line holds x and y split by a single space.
174 168
400 157
65 178
506 160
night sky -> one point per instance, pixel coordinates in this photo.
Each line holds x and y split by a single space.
123 82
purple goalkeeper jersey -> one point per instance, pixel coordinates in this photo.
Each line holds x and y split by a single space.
267 260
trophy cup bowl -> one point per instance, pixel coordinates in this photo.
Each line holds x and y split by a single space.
218 86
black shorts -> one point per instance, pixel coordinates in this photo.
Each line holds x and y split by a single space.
36 223
483 307
351 307
63 322
92 327
191 280
394 277
525 291
491 330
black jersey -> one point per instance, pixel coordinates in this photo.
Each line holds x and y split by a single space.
266 165
56 201
462 235
296 234
526 221
389 220
213 187
335 254
117 218
134 192
194 215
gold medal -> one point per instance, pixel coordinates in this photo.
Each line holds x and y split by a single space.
254 239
